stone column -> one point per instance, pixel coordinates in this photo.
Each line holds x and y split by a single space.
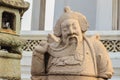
42 15
104 15
35 15
49 14
114 14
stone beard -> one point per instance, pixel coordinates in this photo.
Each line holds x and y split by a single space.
71 48
70 58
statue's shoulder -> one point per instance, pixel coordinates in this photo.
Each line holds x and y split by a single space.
95 38
98 45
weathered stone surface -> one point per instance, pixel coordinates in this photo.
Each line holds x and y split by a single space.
20 4
11 43
39 78
69 54
11 12
10 66
11 40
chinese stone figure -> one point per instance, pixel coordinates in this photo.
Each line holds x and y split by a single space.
69 55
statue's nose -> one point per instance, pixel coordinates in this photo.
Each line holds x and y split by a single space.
71 30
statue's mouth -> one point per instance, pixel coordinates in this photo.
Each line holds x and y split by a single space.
71 40
72 36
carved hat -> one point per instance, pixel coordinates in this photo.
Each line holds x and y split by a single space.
69 14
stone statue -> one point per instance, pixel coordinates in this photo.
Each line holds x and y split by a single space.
69 55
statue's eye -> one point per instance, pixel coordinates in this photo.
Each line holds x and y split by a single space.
73 24
64 29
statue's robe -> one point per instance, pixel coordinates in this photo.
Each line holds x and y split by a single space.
90 62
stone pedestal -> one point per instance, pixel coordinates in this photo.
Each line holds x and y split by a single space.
9 66
10 56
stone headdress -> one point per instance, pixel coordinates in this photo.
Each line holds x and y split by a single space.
69 14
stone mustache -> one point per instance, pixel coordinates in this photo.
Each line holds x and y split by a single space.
69 55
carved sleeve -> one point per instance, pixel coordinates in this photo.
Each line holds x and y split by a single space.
38 64
104 65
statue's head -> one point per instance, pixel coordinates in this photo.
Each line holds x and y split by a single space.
70 23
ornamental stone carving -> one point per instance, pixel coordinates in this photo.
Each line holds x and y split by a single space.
69 55
11 12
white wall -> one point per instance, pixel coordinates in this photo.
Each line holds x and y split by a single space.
26 19
98 13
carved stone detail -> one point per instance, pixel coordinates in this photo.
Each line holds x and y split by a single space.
69 54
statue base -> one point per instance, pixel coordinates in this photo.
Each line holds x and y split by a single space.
9 66
63 77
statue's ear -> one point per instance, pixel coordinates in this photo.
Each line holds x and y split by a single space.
53 38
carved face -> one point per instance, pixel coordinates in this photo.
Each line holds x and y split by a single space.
70 27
